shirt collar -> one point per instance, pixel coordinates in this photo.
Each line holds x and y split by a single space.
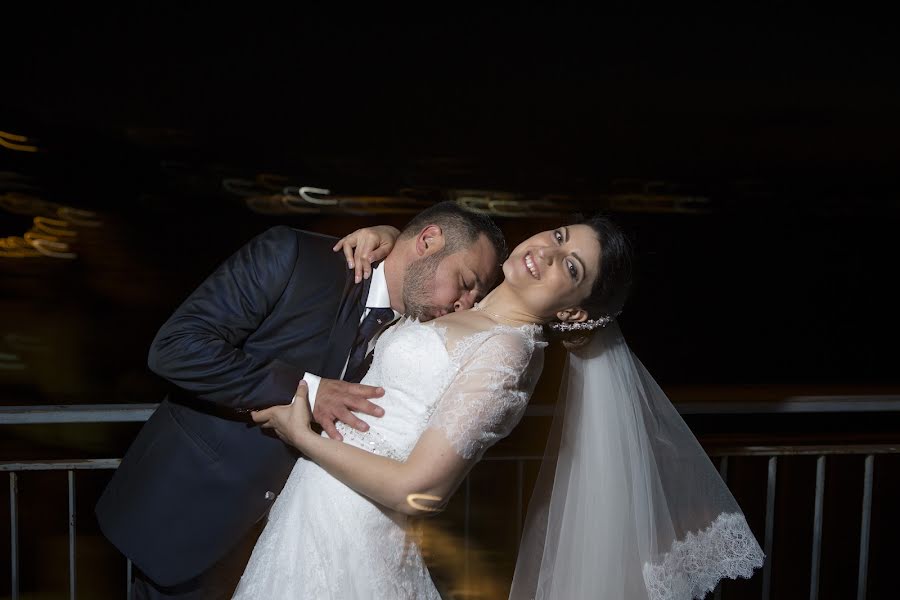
378 292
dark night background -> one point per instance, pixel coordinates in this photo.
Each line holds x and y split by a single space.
788 128
790 131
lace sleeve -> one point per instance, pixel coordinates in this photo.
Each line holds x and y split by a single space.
488 396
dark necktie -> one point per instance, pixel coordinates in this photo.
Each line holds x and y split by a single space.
360 360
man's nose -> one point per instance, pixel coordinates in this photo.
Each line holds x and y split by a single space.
464 303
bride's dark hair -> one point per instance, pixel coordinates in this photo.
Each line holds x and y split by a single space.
607 296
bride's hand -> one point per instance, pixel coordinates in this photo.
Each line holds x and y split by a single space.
365 246
290 422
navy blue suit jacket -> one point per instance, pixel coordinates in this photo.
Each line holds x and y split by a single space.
196 478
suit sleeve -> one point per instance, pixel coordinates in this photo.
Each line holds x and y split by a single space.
199 348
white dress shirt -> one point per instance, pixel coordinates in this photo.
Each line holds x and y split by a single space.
378 298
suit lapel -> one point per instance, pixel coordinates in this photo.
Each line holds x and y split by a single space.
346 324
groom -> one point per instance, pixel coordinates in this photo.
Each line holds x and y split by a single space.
192 492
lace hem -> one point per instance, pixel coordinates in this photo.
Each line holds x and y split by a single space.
694 566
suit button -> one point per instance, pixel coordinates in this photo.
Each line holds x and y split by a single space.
270 495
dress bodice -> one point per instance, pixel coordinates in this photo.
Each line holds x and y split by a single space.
474 392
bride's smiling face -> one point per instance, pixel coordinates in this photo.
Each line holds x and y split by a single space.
554 270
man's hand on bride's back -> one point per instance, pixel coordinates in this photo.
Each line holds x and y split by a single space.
366 246
336 399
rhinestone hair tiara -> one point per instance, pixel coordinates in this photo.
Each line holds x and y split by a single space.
587 325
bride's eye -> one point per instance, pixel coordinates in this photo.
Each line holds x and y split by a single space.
559 236
573 270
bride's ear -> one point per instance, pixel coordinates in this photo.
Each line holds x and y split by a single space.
572 315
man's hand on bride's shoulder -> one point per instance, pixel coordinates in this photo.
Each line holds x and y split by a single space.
290 422
366 246
336 399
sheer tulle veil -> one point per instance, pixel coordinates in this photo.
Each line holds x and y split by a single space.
627 504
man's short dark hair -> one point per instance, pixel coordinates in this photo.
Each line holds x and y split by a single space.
460 227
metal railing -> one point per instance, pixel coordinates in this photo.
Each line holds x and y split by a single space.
140 412
49 414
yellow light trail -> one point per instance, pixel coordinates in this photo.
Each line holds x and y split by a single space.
16 142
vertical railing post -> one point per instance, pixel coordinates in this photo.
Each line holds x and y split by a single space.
817 529
770 527
520 484
127 579
14 533
466 517
864 529
72 535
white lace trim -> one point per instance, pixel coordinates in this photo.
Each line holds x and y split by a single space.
694 566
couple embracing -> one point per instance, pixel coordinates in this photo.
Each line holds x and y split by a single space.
412 372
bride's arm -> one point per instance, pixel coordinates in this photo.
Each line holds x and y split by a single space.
420 485
481 406
366 246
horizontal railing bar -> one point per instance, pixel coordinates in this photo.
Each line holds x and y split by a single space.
60 465
803 450
113 463
86 413
125 413
793 404
796 404
758 451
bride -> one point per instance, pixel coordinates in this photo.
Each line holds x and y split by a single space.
627 504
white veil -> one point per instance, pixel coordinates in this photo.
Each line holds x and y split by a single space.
627 504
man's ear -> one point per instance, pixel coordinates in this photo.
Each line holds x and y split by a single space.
572 315
429 241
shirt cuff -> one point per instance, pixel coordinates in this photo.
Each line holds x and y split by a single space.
312 383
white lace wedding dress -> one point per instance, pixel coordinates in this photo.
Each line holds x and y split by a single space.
324 540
